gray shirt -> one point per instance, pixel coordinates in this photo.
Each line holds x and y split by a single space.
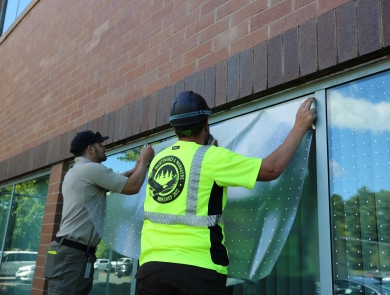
86 181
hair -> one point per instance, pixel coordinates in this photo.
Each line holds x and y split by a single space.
84 151
189 130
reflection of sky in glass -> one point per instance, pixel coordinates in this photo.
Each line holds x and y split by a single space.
14 8
117 165
358 132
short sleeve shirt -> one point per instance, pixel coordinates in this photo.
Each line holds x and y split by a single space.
86 181
180 243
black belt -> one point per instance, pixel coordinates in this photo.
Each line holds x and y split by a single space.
76 245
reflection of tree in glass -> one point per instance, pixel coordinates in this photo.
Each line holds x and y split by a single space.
25 222
133 154
362 230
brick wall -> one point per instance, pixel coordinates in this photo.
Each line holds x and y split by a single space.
69 62
50 224
115 65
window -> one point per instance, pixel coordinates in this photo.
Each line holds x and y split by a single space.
11 10
359 170
289 265
22 207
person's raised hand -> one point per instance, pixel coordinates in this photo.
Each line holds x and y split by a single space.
147 153
305 115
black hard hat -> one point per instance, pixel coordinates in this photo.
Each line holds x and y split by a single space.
188 108
85 138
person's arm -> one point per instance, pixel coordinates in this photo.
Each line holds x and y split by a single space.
273 165
130 172
137 177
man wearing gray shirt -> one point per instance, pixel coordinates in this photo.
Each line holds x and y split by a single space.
70 257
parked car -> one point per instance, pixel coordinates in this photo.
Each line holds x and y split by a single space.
111 266
25 273
12 260
123 267
95 273
102 264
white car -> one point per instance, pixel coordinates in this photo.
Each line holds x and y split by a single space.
13 260
25 273
101 264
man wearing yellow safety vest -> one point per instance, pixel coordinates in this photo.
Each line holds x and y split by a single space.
182 242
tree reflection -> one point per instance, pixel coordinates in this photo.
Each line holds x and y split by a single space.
25 223
361 231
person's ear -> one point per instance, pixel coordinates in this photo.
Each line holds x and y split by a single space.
90 149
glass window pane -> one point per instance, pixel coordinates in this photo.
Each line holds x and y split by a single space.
295 270
5 200
359 169
13 10
23 235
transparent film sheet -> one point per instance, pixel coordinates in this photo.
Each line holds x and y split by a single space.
257 222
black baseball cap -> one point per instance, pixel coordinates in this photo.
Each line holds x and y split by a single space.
85 138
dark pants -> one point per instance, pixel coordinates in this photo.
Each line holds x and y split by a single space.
65 271
161 278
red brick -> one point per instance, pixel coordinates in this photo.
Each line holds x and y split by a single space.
146 78
186 20
100 92
245 12
199 25
210 6
157 61
154 29
184 46
198 52
128 67
170 66
213 58
117 83
114 105
156 85
160 36
125 89
163 12
300 3
119 62
136 72
182 73
270 15
229 7
327 5
294 19
249 40
213 30
178 11
232 34
110 77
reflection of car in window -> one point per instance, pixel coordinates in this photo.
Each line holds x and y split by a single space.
101 264
356 285
25 273
13 260
123 267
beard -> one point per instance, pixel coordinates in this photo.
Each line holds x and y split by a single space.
101 156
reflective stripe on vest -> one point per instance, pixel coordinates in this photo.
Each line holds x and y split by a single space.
192 200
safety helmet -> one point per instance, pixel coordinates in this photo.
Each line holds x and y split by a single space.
188 108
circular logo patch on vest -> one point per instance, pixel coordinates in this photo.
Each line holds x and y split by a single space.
166 181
